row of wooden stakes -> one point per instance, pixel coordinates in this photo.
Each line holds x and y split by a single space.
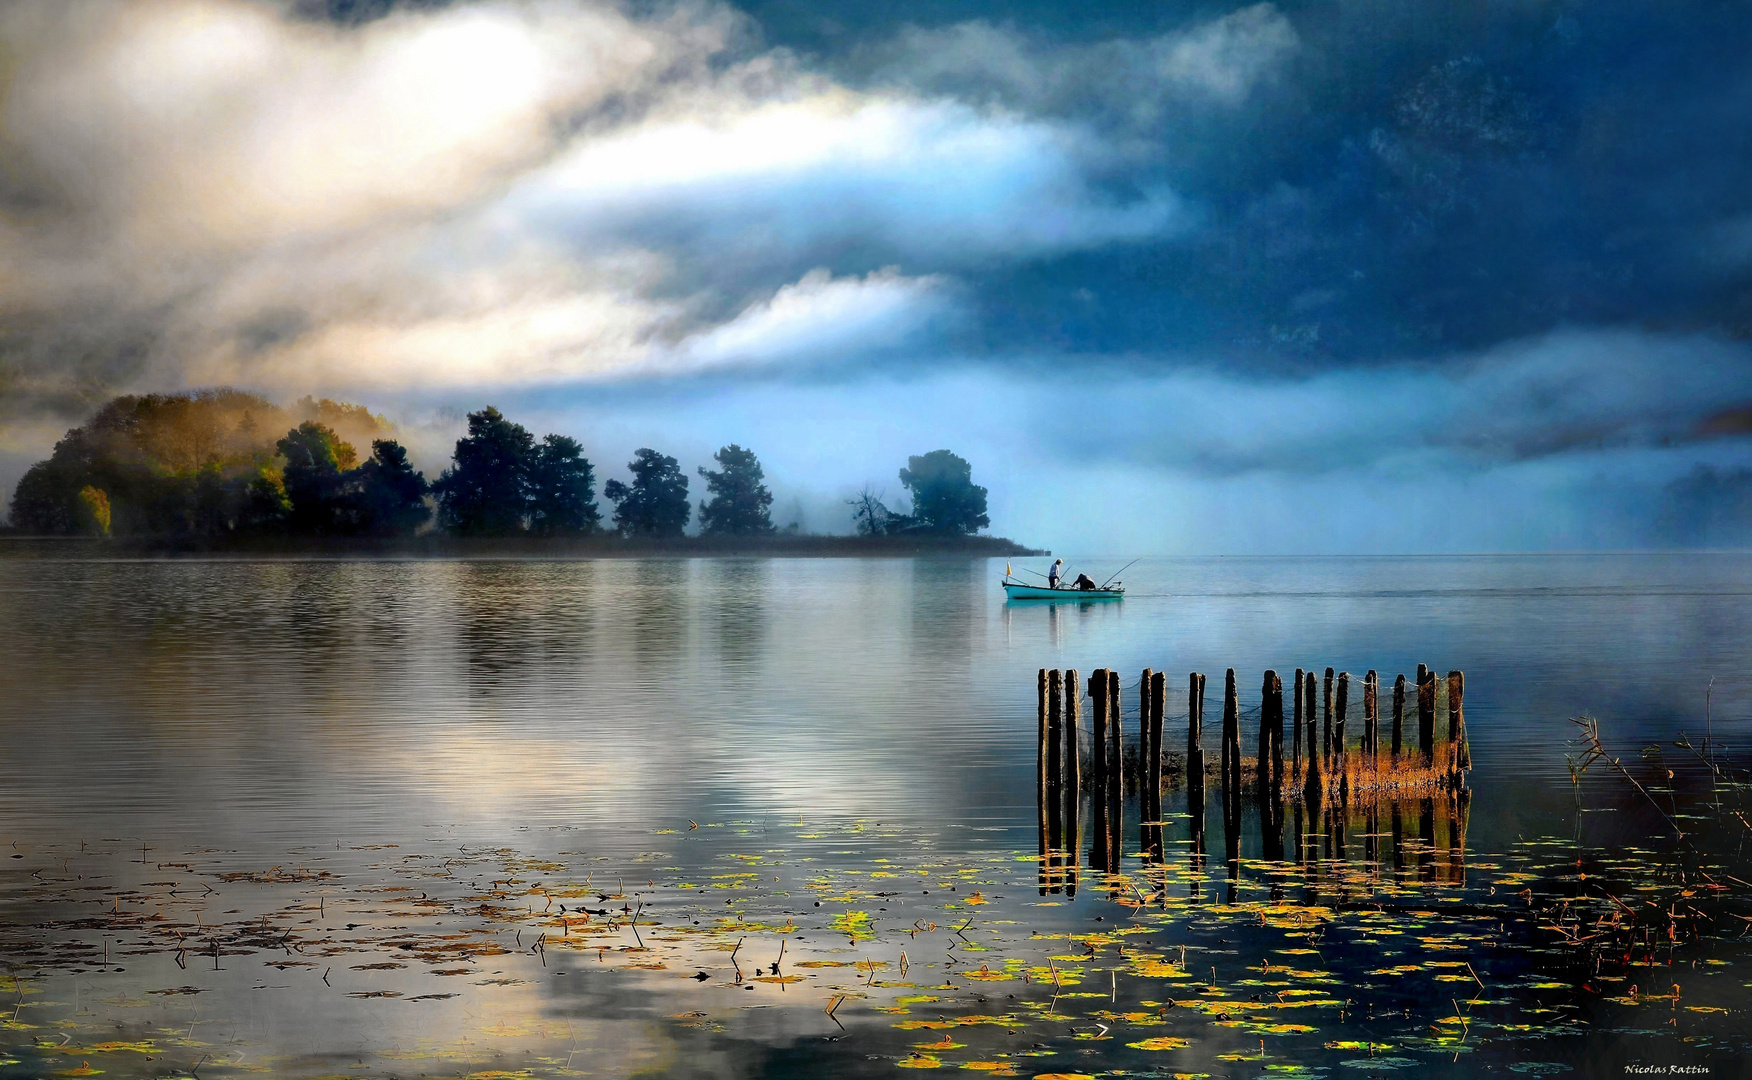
1326 770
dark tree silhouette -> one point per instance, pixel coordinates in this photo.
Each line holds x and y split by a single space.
315 459
390 496
945 498
45 500
485 491
562 490
872 517
740 499
656 503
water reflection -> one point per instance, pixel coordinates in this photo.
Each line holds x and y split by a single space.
714 718
739 593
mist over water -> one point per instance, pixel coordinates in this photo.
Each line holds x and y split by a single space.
287 702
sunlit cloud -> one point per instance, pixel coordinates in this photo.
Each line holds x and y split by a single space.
490 195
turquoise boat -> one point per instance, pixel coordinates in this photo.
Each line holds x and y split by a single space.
1016 590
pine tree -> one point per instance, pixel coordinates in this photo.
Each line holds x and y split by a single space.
562 490
740 499
656 503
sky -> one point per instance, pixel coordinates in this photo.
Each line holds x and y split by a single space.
1341 276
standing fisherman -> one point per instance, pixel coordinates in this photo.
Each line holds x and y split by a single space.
1052 575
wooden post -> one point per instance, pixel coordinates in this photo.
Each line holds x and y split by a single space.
1264 765
1277 735
1310 687
1055 770
1460 755
1371 717
1158 706
1158 696
1296 723
1340 752
1143 733
1098 766
1232 743
1116 770
1398 714
1195 763
1073 783
1326 722
1231 738
1048 788
1426 717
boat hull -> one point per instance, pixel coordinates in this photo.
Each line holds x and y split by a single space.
1016 591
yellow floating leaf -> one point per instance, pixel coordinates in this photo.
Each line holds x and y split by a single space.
1165 1042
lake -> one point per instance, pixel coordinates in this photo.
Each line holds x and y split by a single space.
321 818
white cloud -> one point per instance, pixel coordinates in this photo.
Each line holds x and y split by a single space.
500 193
819 318
1218 62
928 179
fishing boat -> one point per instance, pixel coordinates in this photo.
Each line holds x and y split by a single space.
1111 589
1017 590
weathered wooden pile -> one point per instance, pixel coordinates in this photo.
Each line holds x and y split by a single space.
1323 767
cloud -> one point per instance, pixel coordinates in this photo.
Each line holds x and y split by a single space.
1218 62
196 125
1573 390
489 194
820 318
922 179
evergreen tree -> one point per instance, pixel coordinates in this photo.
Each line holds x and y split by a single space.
739 496
562 488
945 498
390 496
485 492
656 503
46 500
315 459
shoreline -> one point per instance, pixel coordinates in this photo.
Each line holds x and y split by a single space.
439 546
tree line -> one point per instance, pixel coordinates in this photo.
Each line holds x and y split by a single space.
206 465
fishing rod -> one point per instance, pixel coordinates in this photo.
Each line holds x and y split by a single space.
1118 572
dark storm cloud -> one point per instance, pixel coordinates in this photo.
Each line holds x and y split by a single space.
1398 179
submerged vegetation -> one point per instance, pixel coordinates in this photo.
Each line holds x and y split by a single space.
214 466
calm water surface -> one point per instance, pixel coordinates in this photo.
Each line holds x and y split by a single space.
683 720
